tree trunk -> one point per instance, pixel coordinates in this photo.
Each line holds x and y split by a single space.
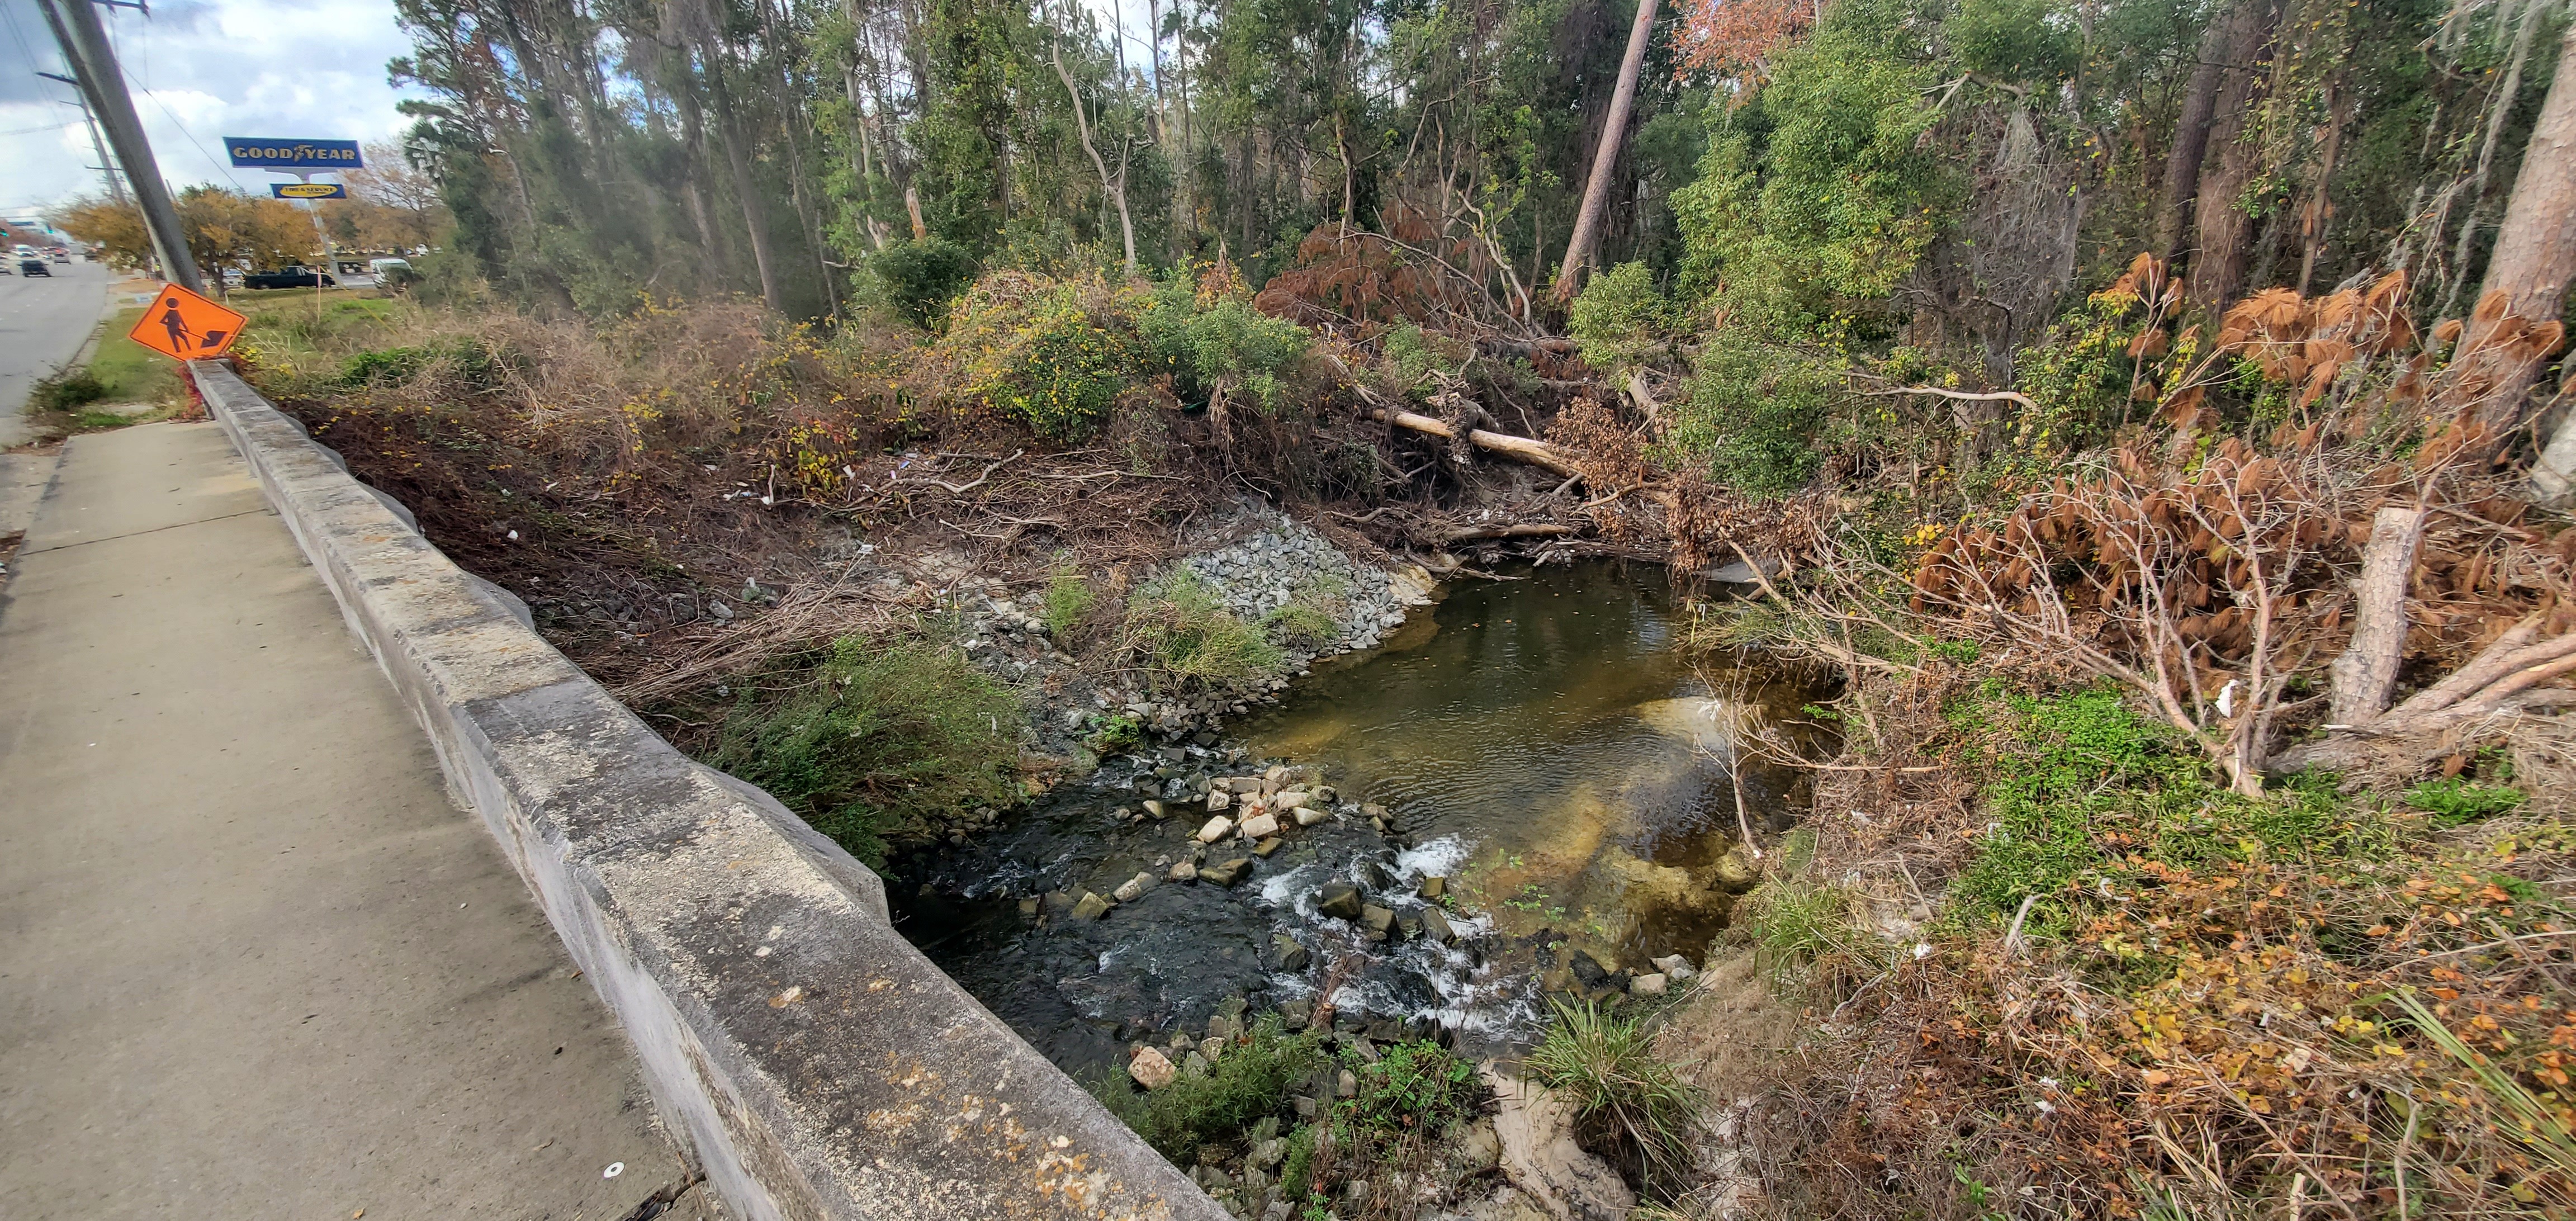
2191 130
2535 251
754 217
1605 154
2224 231
1115 187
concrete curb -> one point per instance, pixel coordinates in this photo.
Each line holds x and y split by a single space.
819 1066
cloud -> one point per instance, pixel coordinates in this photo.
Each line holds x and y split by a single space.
199 70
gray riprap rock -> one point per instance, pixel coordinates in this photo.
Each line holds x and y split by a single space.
1379 922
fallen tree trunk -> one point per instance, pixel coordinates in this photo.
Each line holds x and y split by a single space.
2511 676
2367 671
1522 530
1536 453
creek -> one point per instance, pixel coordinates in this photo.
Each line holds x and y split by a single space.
1537 742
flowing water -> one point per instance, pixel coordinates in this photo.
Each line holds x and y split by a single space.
1540 746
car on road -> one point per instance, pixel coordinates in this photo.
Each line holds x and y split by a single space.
288 277
34 267
61 255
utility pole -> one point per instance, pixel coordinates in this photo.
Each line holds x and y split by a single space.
105 167
102 82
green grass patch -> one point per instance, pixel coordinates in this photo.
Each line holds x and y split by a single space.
1183 637
879 744
1068 601
1299 626
1793 923
2079 783
1249 1082
127 371
2454 800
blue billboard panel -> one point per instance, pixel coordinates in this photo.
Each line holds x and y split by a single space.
308 190
262 153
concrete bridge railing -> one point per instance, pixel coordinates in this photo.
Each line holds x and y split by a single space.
817 1064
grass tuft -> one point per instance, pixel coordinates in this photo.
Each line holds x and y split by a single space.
1628 1105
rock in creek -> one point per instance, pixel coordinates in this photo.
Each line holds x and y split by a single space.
1152 1069
1292 956
1339 900
1128 890
1215 829
1228 873
1308 816
1379 922
1183 870
1375 876
1433 888
1260 826
1092 907
1435 925
1218 799
1587 971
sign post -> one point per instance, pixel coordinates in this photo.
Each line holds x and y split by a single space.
302 158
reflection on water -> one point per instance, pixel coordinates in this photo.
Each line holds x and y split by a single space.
1545 724
1543 749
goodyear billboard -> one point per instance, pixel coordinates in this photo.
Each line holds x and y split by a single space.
308 190
261 153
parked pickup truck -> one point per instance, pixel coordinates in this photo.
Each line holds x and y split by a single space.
286 277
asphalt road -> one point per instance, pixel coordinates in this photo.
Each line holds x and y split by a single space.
43 322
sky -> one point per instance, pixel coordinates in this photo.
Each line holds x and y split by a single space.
199 70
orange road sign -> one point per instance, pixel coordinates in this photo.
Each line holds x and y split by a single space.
184 325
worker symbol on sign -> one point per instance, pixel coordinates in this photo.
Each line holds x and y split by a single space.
182 325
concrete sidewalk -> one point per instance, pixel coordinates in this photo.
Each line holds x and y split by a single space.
253 962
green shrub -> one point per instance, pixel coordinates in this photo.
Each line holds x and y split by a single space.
1297 1168
918 279
1250 1081
2078 781
1620 320
1050 354
65 389
1182 636
1413 1087
1115 735
1219 347
880 743
2454 800
1755 413
1627 1104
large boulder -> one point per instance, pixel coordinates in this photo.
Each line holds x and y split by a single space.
1092 907
1339 900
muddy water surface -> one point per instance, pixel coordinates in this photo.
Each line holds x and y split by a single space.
1539 745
